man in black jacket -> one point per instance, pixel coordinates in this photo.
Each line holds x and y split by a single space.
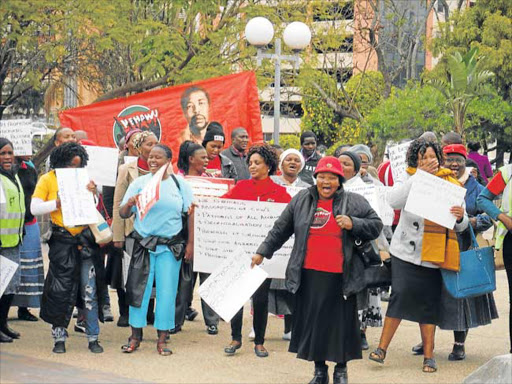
237 152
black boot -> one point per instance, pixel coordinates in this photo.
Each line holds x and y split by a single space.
340 376
321 376
4 338
5 304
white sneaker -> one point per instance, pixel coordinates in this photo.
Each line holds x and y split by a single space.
287 336
252 335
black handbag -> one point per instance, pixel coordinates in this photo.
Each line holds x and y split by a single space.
180 253
376 273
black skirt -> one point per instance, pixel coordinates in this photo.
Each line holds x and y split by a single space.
415 292
114 268
325 325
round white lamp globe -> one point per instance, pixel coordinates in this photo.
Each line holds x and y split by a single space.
297 36
259 31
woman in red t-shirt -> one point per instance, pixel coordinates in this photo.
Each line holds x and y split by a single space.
262 161
323 272
218 164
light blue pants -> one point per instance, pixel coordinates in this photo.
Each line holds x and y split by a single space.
164 267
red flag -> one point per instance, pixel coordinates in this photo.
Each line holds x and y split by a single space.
174 114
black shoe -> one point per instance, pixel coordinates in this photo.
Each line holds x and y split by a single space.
364 342
80 326
175 330
25 315
458 353
4 338
191 314
212 330
123 321
232 348
4 328
321 376
95 347
418 349
340 376
107 314
59 347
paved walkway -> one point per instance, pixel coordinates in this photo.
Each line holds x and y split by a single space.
199 358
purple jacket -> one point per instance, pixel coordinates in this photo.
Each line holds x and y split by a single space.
484 166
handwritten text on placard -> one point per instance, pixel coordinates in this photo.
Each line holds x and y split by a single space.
77 203
221 225
232 284
397 158
7 271
19 132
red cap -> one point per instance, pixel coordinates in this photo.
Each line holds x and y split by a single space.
329 164
455 148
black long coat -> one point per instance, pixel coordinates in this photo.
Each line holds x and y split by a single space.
61 286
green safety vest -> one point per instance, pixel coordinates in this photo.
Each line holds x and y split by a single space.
12 212
506 205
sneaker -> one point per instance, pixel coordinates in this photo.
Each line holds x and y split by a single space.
59 347
252 335
80 326
384 296
123 321
107 313
287 336
25 315
212 330
95 347
191 314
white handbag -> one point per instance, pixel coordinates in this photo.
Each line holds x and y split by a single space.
101 230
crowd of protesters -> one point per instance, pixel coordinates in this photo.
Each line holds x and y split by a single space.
323 300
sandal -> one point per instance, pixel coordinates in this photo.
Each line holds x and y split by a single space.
163 350
132 345
378 355
429 365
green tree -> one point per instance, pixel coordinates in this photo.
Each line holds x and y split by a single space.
465 82
488 26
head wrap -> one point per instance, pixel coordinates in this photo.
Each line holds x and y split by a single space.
129 136
140 138
291 151
355 159
362 149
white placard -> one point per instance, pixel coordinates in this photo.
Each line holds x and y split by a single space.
431 197
222 225
209 186
102 165
7 270
77 202
19 132
376 197
130 159
232 284
397 158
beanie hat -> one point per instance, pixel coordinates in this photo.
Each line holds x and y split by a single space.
291 151
355 159
214 132
364 150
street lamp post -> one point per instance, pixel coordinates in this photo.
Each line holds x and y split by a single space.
259 32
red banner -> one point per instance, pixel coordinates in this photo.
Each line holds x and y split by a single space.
174 114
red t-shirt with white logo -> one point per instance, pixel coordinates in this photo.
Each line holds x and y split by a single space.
324 249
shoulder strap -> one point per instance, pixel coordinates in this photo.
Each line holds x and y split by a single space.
179 189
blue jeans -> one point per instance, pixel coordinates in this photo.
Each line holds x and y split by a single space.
89 295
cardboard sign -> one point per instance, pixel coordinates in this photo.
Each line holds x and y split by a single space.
148 197
102 165
397 158
19 132
209 186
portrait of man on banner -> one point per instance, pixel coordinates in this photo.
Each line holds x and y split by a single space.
195 103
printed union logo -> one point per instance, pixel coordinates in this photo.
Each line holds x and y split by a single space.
329 165
136 117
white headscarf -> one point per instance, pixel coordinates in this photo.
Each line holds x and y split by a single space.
291 151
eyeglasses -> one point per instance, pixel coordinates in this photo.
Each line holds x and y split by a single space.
457 160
